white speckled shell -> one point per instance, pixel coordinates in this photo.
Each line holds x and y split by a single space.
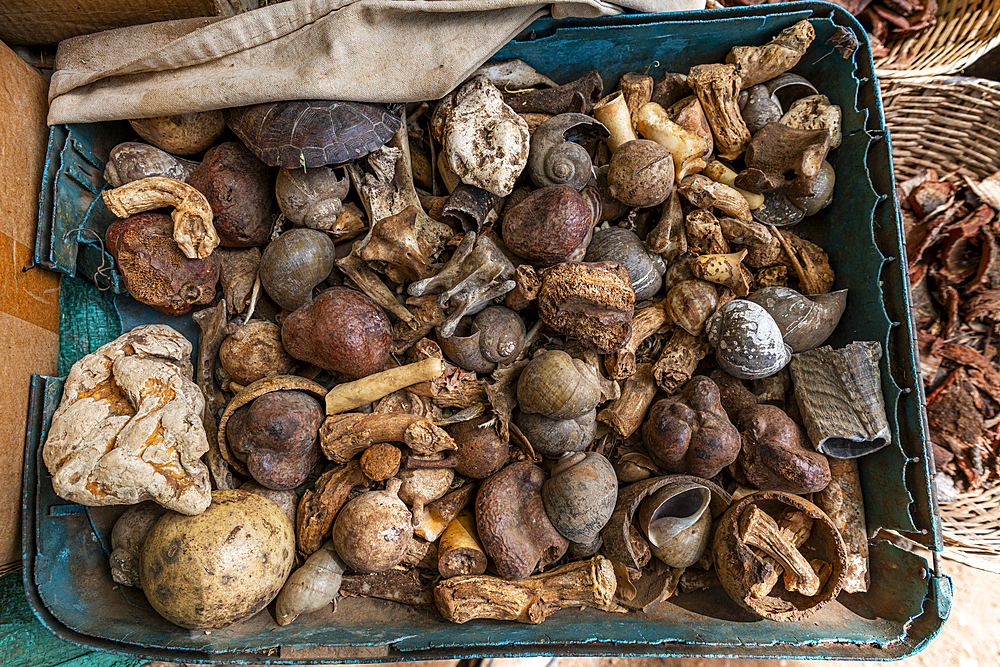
747 340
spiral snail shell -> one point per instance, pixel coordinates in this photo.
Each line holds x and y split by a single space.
645 269
554 158
558 386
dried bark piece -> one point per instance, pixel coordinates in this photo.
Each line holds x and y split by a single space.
455 387
592 302
626 413
350 395
576 96
679 359
344 436
843 503
757 64
398 585
717 87
319 505
128 427
237 272
621 363
638 90
668 236
589 583
839 394
192 215
502 394
770 276
811 264
212 323
704 234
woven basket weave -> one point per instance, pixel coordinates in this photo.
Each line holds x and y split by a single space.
949 124
953 126
964 31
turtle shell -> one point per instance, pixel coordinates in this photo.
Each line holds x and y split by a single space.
312 133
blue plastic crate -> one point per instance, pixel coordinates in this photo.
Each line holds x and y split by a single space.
66 573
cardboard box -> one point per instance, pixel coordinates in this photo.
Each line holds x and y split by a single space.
51 21
29 300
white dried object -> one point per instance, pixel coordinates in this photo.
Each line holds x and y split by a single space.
485 141
129 426
312 586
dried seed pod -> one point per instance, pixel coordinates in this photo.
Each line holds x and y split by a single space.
805 321
494 336
373 531
237 186
690 432
342 331
580 496
645 269
776 453
481 451
548 224
558 386
276 436
747 342
155 270
310 587
677 521
690 303
423 485
641 173
126 541
293 264
254 351
132 161
514 529
311 197
555 157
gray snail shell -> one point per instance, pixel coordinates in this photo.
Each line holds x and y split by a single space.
778 210
495 336
554 158
580 495
558 386
758 108
312 197
677 520
293 264
555 437
822 191
805 321
645 269
747 340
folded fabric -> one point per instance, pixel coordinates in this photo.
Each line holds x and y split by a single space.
362 50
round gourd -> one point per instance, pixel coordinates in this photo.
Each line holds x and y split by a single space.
218 567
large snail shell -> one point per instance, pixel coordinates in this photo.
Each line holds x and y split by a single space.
805 321
747 341
645 269
495 336
555 159
690 303
293 264
558 386
677 521
311 197
555 437
580 496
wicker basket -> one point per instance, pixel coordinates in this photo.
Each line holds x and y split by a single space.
949 124
952 125
964 31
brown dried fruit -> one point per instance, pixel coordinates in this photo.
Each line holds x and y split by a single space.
548 225
238 187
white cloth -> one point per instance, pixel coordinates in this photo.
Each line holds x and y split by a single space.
361 50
